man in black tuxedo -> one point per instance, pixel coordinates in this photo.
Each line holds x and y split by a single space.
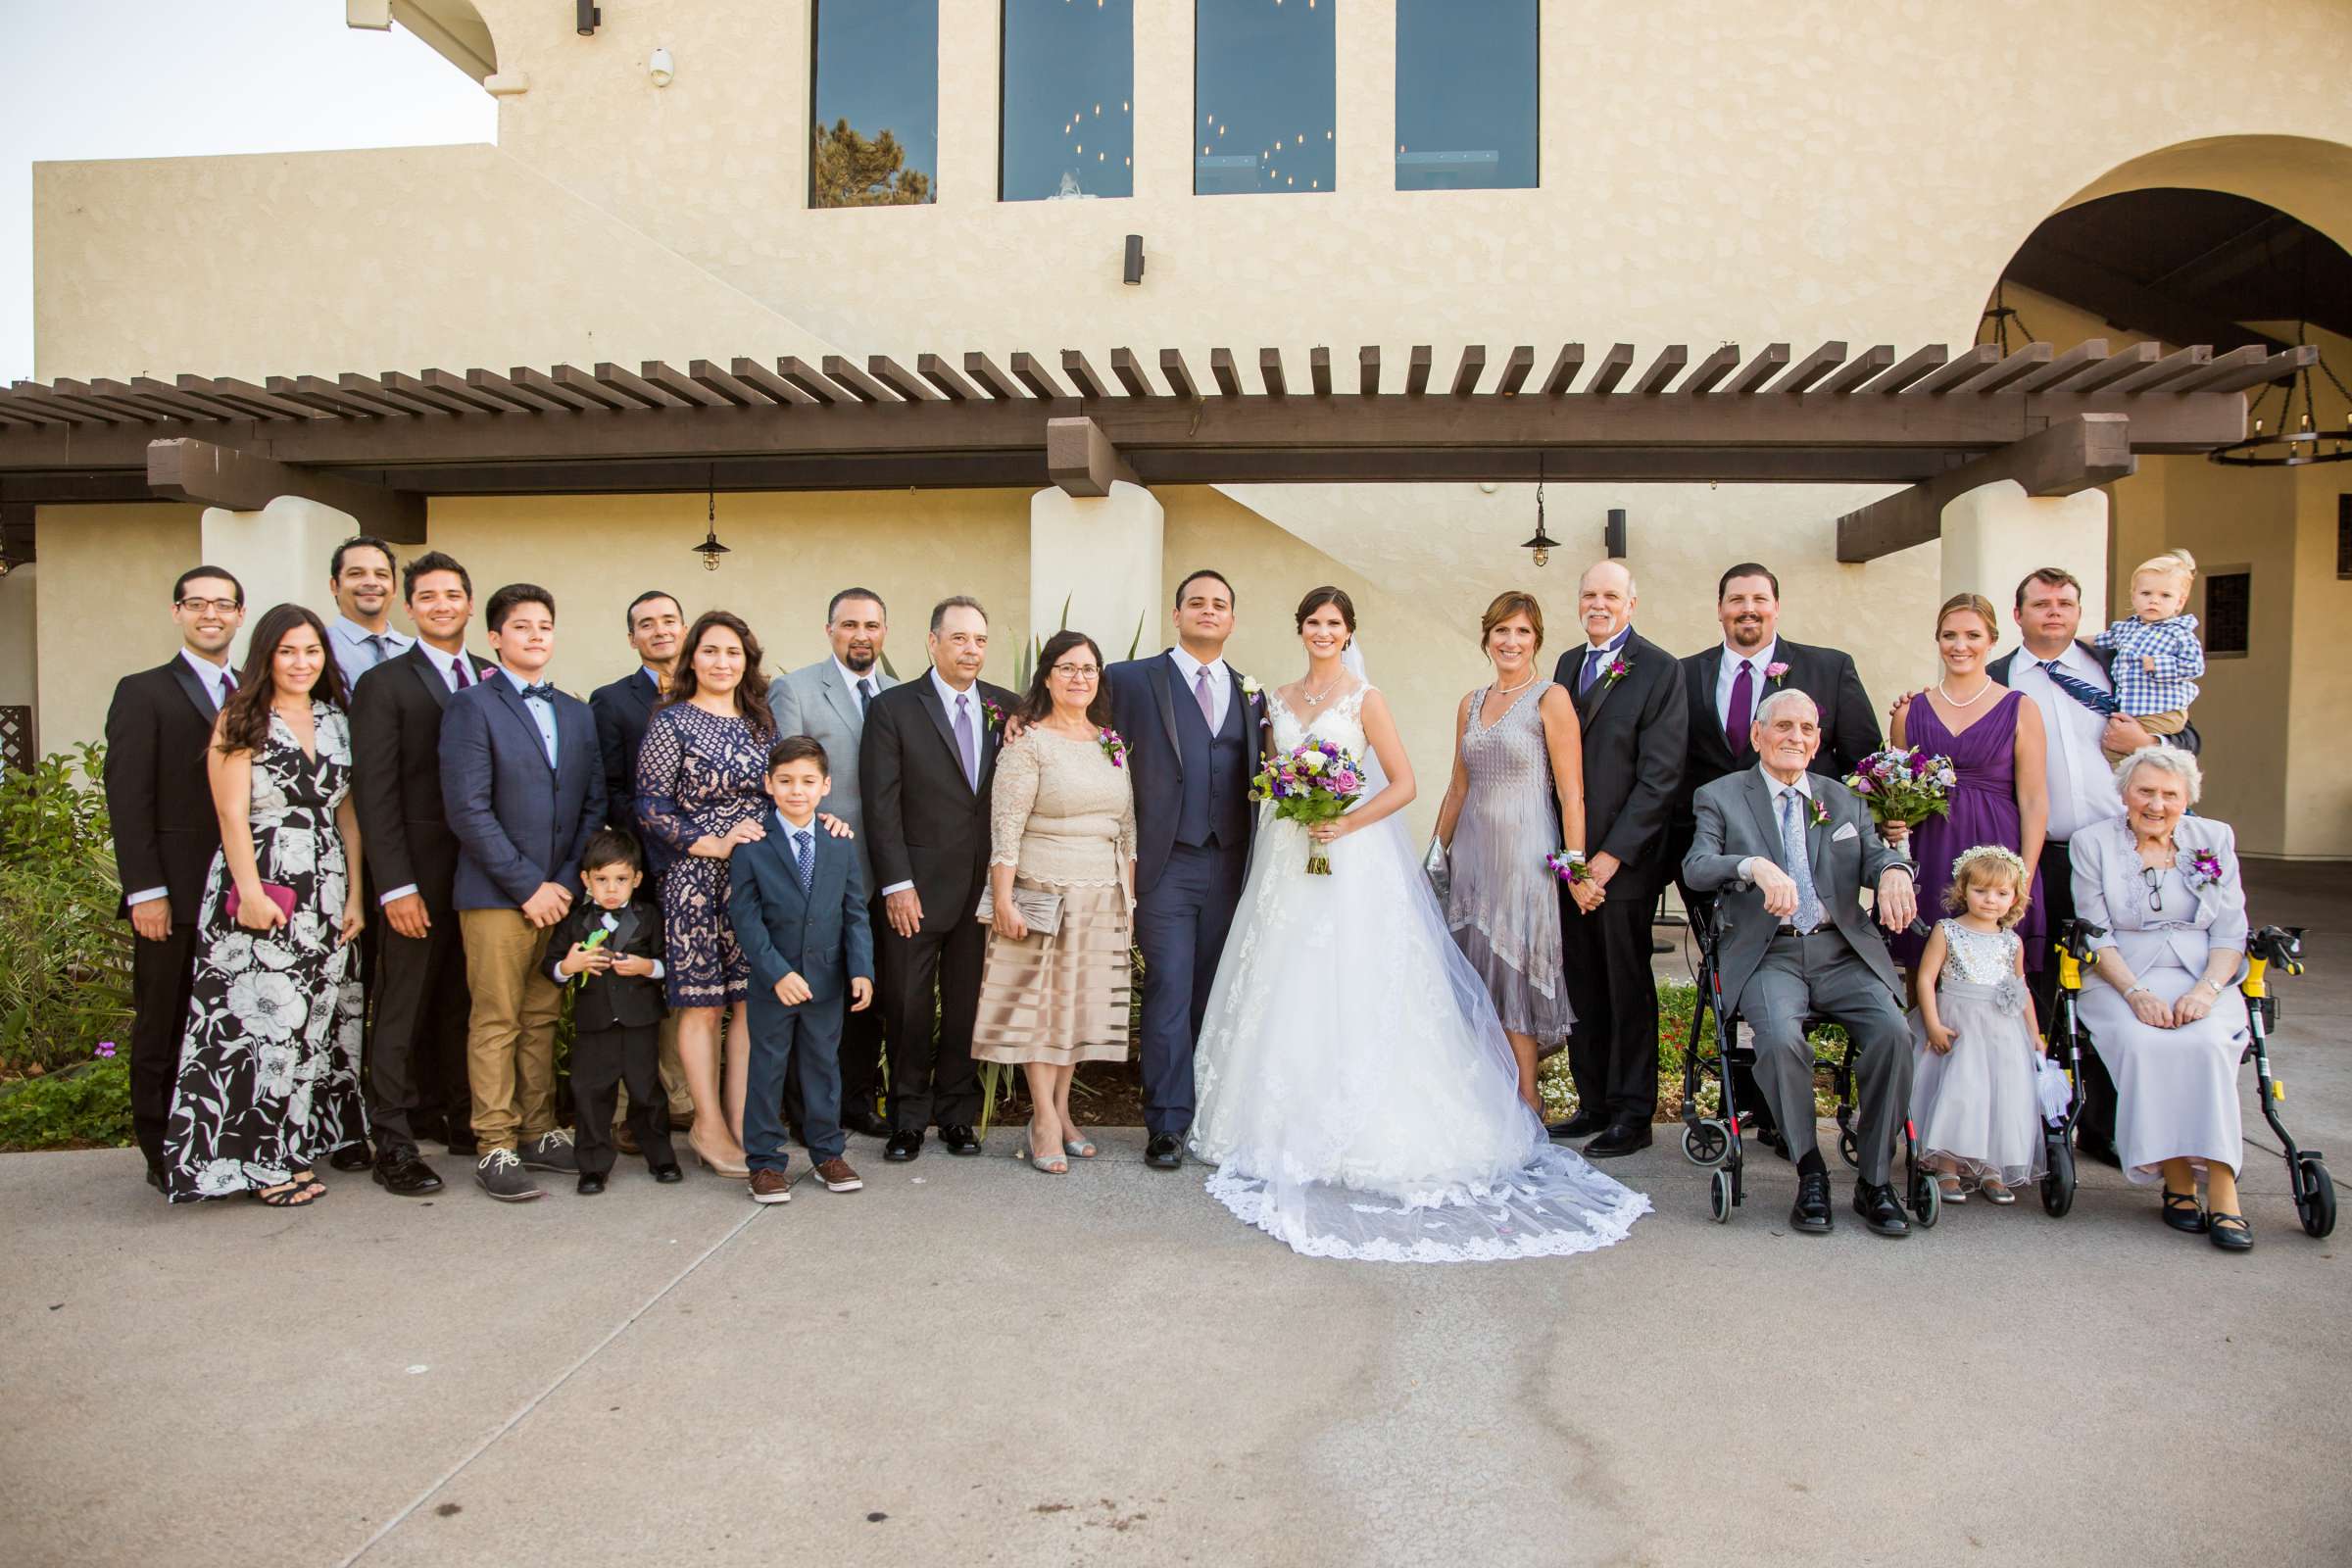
417 1079
657 627
1630 705
1724 685
158 796
925 764
2070 684
1193 729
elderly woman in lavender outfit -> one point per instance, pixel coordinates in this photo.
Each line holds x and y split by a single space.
2166 1018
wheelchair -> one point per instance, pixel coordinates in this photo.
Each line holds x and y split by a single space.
1719 1140
2274 946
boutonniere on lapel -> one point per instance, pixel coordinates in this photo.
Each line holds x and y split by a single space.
1617 668
1114 747
1818 811
1777 671
1250 690
2204 871
995 715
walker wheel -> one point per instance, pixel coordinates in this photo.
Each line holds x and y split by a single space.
2058 1186
1719 1197
1705 1142
2317 1205
1848 1149
1927 1201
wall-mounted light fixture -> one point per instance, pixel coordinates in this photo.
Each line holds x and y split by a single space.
1133 272
661 67
1542 544
1612 533
586 15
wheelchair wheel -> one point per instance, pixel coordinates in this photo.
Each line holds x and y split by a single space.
1848 1149
1927 1201
2318 1204
1705 1142
2058 1187
1719 1197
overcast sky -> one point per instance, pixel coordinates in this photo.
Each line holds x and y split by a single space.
165 78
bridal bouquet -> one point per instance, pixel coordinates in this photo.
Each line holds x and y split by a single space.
1315 782
1903 786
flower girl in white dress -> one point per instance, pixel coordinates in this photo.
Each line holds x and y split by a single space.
1973 1097
1356 1088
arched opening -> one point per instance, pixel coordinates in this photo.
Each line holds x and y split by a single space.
2229 242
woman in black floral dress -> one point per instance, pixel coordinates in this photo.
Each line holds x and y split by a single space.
701 791
270 1069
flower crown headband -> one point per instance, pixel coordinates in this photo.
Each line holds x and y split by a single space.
1993 854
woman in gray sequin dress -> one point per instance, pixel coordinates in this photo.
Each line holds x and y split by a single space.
1518 795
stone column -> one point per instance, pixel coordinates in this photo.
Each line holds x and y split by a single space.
1996 534
279 553
1102 555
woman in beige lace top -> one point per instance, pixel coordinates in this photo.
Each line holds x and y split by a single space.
1064 814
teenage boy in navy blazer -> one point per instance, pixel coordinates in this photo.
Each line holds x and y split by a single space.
523 784
166 832
416 1080
796 901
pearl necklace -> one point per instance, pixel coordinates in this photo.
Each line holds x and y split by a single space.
1972 702
1501 690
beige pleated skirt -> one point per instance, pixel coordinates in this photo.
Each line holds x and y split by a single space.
1060 998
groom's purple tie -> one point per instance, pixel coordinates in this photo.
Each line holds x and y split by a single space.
966 743
1208 705
1743 709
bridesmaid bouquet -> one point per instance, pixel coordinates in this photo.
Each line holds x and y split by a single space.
1314 782
1903 786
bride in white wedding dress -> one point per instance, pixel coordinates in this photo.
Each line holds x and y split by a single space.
1355 1090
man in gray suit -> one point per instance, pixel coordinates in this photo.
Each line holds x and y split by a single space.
827 699
1791 853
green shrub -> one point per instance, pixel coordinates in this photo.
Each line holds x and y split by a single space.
87 1107
65 956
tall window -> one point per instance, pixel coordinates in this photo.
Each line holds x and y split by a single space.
1067 119
875 96
1265 98
1466 74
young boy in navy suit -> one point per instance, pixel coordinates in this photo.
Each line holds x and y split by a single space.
798 904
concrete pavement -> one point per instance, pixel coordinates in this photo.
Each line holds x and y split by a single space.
971 1361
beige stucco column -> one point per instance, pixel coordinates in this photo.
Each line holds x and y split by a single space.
1996 534
1101 555
279 553
19 642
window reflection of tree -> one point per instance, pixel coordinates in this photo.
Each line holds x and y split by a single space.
851 169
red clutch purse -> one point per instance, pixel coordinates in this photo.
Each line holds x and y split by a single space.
283 897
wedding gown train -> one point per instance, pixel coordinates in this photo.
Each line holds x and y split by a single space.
1355 1090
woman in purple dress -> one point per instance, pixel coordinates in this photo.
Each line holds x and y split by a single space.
1994 738
700 791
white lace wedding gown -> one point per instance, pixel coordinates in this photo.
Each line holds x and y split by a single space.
1355 1090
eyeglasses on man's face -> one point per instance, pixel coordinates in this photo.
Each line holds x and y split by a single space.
217 607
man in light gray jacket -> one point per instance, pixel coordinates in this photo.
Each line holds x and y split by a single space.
1790 851
827 699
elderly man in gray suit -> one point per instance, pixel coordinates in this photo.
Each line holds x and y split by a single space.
1791 853
827 699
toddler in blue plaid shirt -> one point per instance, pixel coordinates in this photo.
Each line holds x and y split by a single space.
2157 655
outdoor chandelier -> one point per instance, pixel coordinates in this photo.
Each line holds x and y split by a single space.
1541 545
710 549
2291 448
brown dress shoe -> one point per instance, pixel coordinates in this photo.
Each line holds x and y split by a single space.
770 1187
837 1176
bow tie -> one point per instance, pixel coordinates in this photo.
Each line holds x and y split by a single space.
545 690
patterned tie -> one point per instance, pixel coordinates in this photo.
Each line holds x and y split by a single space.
2081 690
1209 704
803 852
1737 718
545 690
966 741
865 695
1794 851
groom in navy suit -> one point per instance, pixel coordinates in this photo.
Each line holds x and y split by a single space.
1193 728
523 786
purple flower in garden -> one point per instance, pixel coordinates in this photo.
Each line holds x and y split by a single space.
106 1049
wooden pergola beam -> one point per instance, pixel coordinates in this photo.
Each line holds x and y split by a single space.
184 468
1712 369
1515 370
2073 455
1081 459
1611 369
1662 370
1759 370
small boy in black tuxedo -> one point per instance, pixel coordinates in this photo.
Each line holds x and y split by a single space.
798 903
609 958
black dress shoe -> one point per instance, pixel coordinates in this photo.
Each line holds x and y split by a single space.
666 1174
1166 1151
406 1176
590 1184
2229 1231
866 1123
1584 1124
1621 1139
959 1139
1879 1210
2183 1212
1812 1216
352 1156
902 1147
